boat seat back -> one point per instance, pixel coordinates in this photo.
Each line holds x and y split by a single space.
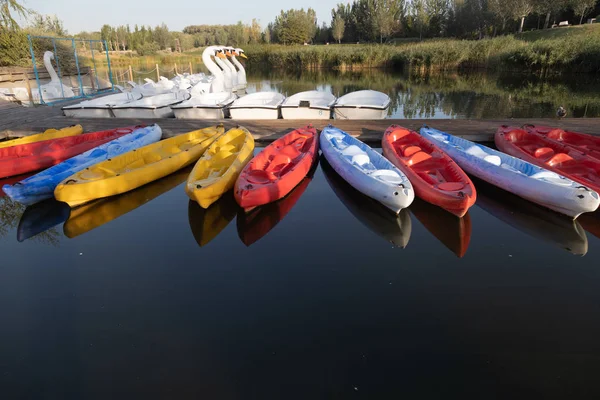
559 159
419 157
259 176
496 160
352 150
543 152
387 175
97 153
361 159
278 163
292 151
552 177
410 150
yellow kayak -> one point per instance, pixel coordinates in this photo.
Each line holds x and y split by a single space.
97 213
207 223
46 135
216 171
136 168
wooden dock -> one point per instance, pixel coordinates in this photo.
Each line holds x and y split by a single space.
18 121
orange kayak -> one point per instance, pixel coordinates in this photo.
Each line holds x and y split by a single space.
277 169
588 144
552 155
435 177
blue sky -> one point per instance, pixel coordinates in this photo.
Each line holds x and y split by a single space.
89 15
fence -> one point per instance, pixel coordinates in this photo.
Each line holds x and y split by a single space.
70 80
122 76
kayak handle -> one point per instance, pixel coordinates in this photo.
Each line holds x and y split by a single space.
70 181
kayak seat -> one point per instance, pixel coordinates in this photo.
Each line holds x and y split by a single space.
410 150
361 159
450 186
278 163
419 157
259 176
387 175
543 152
97 153
559 159
552 177
291 151
496 160
151 157
352 150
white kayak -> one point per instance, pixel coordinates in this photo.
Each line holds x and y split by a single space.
366 170
100 107
260 105
158 106
514 175
362 104
312 104
205 106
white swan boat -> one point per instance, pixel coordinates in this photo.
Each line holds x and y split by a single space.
100 107
206 106
363 104
158 106
308 105
260 105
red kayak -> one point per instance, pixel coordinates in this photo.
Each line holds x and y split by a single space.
276 170
16 160
588 144
435 177
552 155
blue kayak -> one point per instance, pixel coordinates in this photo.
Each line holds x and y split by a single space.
41 186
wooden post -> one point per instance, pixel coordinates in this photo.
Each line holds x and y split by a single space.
130 73
191 73
28 89
175 68
157 74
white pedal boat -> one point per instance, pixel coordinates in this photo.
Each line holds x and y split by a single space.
260 105
514 175
100 107
206 106
308 105
158 106
363 104
366 170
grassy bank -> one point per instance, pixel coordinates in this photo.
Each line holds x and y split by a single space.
572 49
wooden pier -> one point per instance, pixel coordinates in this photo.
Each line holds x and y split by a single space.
18 121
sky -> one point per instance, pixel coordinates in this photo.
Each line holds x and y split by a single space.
90 15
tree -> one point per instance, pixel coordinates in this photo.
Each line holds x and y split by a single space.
295 26
337 27
549 7
386 16
582 8
520 9
501 11
420 16
439 11
7 8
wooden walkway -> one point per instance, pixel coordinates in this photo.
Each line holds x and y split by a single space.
19 121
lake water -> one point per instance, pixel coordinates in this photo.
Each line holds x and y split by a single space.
322 295
465 94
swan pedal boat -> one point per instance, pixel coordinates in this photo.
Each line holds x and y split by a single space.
48 134
136 168
517 176
366 170
217 170
41 186
362 104
261 105
277 169
100 107
554 156
206 106
434 176
158 106
312 104
589 144
22 159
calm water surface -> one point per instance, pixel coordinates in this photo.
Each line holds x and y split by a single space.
322 295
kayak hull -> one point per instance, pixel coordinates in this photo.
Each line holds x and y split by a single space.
435 177
217 170
277 169
136 168
47 135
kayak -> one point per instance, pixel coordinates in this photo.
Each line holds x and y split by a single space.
207 223
97 213
394 229
519 177
24 158
256 224
589 144
434 176
277 169
217 170
451 231
366 170
136 168
533 220
41 186
41 217
554 156
49 134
